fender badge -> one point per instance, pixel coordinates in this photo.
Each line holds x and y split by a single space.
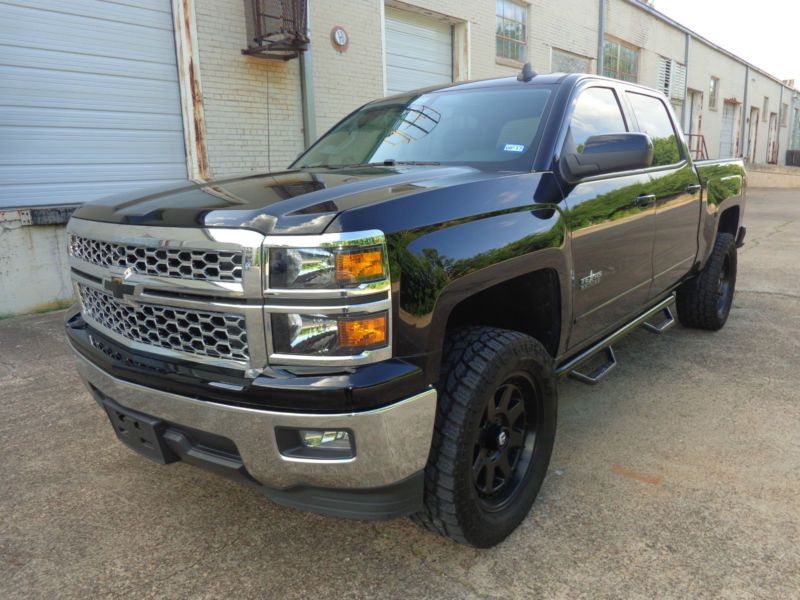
593 278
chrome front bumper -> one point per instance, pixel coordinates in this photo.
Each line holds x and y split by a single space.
392 443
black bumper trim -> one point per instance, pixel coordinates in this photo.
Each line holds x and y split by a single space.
373 504
740 236
353 389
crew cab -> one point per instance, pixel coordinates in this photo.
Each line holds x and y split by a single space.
379 330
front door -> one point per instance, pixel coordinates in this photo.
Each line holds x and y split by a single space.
612 223
726 135
695 137
676 189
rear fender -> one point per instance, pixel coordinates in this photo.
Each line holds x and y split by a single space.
724 183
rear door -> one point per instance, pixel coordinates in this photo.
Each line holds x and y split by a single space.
675 189
612 224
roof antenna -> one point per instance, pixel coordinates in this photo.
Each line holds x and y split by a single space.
527 73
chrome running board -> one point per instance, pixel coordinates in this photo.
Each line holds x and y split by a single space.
669 321
598 373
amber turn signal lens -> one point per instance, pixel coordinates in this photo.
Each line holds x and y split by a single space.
361 266
363 333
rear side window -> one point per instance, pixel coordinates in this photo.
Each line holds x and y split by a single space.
596 112
654 120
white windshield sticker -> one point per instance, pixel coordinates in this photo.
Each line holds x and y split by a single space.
514 148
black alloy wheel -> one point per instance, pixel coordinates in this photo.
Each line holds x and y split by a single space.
505 441
493 437
705 301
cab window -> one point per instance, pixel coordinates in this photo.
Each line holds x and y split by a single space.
653 119
597 112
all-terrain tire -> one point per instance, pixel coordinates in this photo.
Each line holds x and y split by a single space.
478 364
705 301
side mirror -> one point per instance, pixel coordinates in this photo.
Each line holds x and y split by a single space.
609 153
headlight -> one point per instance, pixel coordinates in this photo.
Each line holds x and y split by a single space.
326 268
329 299
329 335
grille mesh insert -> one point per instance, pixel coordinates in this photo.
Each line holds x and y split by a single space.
218 335
208 265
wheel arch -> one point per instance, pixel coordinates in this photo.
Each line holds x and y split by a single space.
513 296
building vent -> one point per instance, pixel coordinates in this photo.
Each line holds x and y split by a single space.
276 29
671 78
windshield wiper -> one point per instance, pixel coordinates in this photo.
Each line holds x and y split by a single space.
389 162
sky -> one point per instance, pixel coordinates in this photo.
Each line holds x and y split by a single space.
766 33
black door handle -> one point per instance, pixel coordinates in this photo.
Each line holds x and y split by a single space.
645 200
693 189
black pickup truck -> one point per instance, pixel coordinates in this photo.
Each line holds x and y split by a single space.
379 330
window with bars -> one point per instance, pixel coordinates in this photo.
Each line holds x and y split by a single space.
620 61
511 35
671 78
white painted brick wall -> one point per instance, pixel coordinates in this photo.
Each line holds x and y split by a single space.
252 106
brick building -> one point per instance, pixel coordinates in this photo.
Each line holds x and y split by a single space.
99 97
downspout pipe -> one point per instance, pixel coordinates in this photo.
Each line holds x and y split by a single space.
745 110
778 132
601 37
307 90
684 111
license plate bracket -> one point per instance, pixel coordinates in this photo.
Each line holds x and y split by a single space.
140 432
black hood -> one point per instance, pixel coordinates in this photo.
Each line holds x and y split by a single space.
290 202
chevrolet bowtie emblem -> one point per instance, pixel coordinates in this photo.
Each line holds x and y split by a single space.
117 286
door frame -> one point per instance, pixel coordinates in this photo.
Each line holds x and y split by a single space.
772 139
752 135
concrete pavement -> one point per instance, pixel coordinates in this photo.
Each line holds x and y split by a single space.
677 476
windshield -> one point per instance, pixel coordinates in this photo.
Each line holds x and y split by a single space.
494 129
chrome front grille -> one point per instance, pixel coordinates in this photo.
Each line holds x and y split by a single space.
205 333
182 263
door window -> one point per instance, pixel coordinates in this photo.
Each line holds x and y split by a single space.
596 112
654 120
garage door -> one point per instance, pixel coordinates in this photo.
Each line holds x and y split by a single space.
419 51
89 99
726 133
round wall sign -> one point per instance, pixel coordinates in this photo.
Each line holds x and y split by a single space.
339 38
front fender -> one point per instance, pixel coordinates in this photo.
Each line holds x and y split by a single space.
442 266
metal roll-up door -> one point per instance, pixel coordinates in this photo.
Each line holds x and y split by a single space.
419 51
89 100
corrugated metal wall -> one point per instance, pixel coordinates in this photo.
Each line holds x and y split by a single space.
89 100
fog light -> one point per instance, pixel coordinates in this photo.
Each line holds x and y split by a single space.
334 440
316 444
